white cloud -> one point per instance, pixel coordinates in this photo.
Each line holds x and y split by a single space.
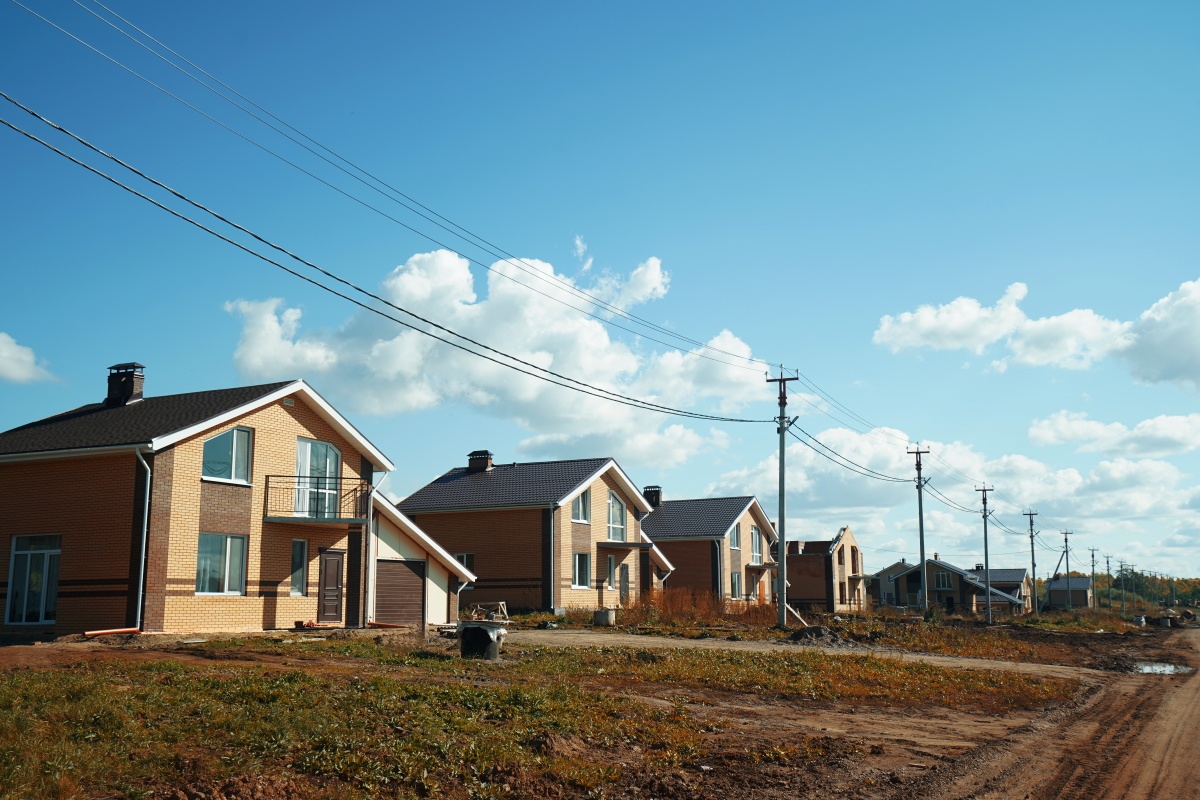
580 247
18 362
1166 342
1164 435
376 367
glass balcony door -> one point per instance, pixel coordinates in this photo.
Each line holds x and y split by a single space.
318 470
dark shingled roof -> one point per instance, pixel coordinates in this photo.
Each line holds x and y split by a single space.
534 483
1000 575
693 519
137 423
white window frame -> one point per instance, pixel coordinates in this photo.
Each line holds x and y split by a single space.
303 570
581 507
941 580
582 569
240 591
619 528
735 536
234 453
735 586
754 588
468 562
612 572
310 487
756 545
46 552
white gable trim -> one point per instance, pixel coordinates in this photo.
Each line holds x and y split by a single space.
406 525
768 528
310 396
634 493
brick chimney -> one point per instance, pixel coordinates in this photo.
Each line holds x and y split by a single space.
979 567
479 461
653 495
125 382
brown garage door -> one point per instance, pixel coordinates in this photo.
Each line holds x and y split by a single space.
400 592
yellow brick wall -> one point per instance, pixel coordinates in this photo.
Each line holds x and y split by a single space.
583 538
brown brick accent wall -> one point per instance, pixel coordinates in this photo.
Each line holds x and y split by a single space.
693 564
89 502
807 580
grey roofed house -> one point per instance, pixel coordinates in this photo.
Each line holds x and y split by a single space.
531 484
1078 583
974 578
708 518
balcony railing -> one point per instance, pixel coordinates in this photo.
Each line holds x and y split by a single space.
297 498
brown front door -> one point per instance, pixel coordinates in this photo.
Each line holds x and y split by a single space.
330 586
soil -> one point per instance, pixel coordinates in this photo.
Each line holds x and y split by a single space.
1126 735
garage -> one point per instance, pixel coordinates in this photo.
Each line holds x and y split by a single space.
400 593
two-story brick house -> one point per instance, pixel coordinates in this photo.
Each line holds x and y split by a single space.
717 544
545 535
827 574
232 509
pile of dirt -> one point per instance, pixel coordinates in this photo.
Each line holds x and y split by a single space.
821 636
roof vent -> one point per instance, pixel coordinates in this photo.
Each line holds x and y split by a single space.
479 461
125 382
653 495
979 567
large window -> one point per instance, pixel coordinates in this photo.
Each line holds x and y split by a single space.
581 507
755 545
227 456
941 580
583 571
735 536
33 580
318 465
299 567
735 586
221 564
616 518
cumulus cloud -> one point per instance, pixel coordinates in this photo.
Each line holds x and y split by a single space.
376 367
18 363
1073 340
1161 436
1166 344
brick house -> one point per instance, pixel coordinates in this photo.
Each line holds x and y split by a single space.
956 590
717 544
256 515
827 574
546 535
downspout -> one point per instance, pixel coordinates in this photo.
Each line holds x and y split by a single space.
141 593
552 557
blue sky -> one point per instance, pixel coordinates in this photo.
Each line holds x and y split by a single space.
972 226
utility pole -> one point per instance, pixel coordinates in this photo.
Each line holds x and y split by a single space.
921 525
1121 565
1067 551
1095 600
1032 558
987 569
781 582
1108 572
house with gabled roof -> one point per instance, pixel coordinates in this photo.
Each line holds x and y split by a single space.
955 589
827 574
882 585
546 535
1079 588
232 509
716 544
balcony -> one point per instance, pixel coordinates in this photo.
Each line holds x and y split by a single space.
317 501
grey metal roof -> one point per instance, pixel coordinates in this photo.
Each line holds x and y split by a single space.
710 517
1001 575
1077 582
95 425
504 485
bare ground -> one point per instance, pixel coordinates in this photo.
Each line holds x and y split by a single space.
1126 735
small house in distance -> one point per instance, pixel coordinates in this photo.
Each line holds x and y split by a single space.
716 544
827 575
956 590
1080 588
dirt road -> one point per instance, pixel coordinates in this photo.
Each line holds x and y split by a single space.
1132 736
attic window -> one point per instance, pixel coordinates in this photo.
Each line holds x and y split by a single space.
227 456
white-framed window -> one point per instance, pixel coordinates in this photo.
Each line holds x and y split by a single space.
754 589
735 586
581 507
227 456
468 561
299 587
612 572
221 564
756 545
616 518
33 580
735 536
318 468
582 578
941 580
